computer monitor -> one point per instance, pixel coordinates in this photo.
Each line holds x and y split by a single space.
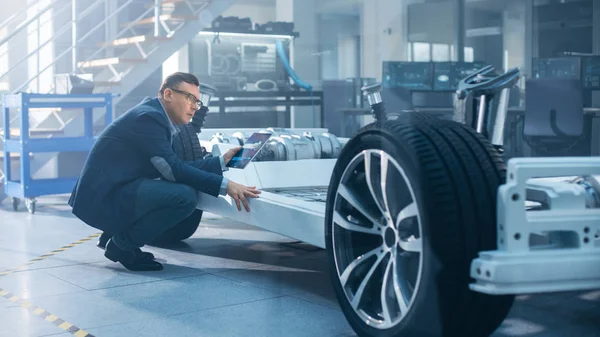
558 67
443 78
464 69
409 75
447 75
591 73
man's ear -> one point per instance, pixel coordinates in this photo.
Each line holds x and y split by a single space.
167 95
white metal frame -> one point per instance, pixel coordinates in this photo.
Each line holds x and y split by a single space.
572 260
288 216
518 266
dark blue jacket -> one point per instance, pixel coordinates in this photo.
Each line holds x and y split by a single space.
134 147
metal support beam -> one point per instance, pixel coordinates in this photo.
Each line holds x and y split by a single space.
111 27
529 40
596 46
37 57
459 15
596 27
157 8
74 35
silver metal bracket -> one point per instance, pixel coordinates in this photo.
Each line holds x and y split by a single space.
551 247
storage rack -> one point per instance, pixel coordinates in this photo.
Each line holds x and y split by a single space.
27 188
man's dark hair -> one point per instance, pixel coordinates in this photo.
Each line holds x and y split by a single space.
173 80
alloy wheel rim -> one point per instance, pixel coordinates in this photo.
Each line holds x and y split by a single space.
376 239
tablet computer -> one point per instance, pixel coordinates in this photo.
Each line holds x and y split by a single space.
250 149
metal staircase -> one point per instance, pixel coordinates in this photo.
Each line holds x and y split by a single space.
119 43
160 28
146 42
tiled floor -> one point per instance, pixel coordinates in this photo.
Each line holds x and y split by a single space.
227 280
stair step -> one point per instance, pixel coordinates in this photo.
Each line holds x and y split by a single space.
134 39
108 61
164 17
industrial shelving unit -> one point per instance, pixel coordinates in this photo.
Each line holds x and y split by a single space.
28 188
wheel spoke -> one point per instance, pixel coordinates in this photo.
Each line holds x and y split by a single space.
365 281
398 290
346 224
352 266
384 171
407 212
411 245
384 287
353 200
383 175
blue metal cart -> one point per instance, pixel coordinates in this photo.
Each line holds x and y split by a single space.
27 188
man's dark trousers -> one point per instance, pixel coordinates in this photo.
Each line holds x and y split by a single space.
159 205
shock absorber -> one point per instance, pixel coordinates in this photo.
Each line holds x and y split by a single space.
373 93
482 102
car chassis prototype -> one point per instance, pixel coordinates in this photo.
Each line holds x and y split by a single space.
541 233
292 199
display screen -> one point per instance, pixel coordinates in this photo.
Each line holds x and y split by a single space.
410 75
560 67
443 76
251 147
464 69
447 75
591 73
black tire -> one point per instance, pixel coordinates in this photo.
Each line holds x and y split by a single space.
187 146
452 174
186 143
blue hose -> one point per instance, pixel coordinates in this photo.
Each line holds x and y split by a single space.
288 68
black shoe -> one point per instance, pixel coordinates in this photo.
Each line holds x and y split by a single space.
130 259
104 239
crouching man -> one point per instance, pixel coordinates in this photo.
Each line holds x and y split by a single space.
135 186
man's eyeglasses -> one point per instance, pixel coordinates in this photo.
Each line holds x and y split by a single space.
190 98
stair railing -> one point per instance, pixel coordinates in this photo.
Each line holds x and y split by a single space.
156 10
60 32
25 23
158 22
